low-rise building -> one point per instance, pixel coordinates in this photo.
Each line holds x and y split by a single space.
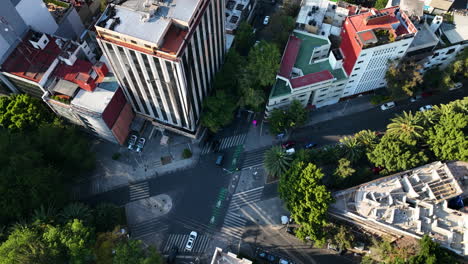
412 203
309 72
321 17
236 11
227 258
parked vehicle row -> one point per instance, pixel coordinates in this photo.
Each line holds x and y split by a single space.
135 143
271 258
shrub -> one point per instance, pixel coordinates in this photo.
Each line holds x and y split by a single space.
116 156
186 153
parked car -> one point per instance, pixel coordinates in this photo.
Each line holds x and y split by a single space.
291 230
140 144
131 141
219 160
425 108
387 106
266 256
288 144
193 235
172 254
415 98
285 261
266 20
310 145
457 85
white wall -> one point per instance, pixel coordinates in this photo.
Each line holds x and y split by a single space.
441 59
37 16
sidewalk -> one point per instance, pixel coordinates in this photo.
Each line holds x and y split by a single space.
133 167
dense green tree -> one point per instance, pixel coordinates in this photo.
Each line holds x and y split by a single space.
76 211
22 112
263 63
343 171
432 78
344 238
252 96
278 121
306 198
227 78
403 79
245 38
352 148
218 111
277 161
448 137
105 244
297 114
280 27
44 214
406 125
431 253
367 138
291 7
380 4
396 154
131 252
107 216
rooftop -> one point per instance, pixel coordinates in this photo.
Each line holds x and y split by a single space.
457 32
227 258
95 101
424 38
413 202
279 88
148 20
29 62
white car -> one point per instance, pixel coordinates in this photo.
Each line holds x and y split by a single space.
425 108
387 105
457 85
131 141
193 235
140 144
266 20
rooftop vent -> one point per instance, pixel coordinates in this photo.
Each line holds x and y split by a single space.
39 40
310 13
334 7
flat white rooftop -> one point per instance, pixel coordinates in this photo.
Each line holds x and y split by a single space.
94 101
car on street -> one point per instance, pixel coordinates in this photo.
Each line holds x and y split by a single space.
387 106
457 85
266 256
266 20
131 141
285 261
415 98
193 235
172 254
310 145
140 144
288 144
291 230
219 160
425 108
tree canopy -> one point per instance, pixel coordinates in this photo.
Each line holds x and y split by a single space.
263 63
280 120
277 161
21 112
219 111
306 198
245 38
403 79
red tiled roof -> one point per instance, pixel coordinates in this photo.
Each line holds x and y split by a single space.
173 39
366 36
289 56
78 73
31 63
311 78
349 47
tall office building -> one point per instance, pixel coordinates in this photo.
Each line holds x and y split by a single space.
164 54
369 41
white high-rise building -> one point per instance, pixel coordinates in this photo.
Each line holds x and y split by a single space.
164 55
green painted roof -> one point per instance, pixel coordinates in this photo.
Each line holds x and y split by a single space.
305 52
279 88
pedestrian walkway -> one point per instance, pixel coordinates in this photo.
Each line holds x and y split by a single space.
233 225
225 143
139 191
241 199
148 227
179 240
253 158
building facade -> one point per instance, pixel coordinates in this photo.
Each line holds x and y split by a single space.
164 56
370 41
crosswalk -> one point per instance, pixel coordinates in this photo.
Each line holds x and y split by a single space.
253 158
155 225
225 143
179 240
234 223
139 191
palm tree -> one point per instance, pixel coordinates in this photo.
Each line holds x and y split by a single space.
406 125
367 137
277 161
44 214
76 211
352 148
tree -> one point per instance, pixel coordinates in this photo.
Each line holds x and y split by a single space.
291 7
105 244
251 95
263 63
131 252
218 111
431 253
297 114
380 4
107 216
344 170
277 161
306 198
280 27
351 148
406 125
278 121
403 79
448 137
397 154
76 211
343 238
22 112
367 138
245 38
227 78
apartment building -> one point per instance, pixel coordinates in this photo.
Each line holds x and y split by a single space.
164 55
369 42
65 75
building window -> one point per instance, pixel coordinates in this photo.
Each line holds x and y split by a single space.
148 46
359 62
335 96
132 41
337 91
302 95
340 85
450 51
346 93
323 90
364 54
315 58
284 100
443 59
351 81
322 95
435 55
353 75
405 45
401 51
319 101
357 69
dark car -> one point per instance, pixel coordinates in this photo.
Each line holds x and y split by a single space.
310 145
266 256
172 254
219 160
288 144
291 230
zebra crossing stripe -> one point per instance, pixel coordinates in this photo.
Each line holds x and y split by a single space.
234 232
234 222
139 191
248 191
